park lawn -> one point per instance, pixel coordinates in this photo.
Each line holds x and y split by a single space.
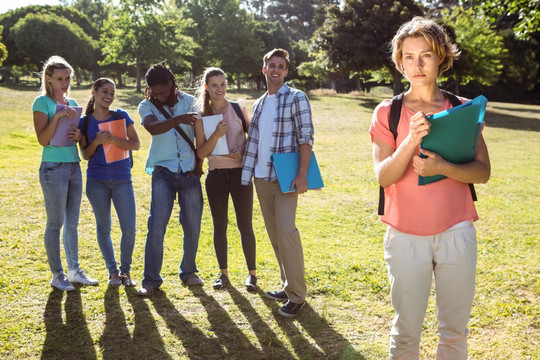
348 314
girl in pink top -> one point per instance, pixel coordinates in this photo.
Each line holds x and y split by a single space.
225 172
430 233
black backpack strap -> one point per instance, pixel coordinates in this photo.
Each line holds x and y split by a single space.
238 111
393 121
84 129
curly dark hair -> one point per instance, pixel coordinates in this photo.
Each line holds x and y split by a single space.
160 74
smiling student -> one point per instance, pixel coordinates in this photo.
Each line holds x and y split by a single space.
281 123
59 174
430 231
224 172
108 182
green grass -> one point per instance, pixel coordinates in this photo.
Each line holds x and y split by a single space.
348 315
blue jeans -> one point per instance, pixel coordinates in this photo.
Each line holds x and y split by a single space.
100 193
62 191
165 186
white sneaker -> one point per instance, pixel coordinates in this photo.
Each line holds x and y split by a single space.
61 282
79 276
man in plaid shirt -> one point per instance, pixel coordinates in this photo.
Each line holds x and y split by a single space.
281 123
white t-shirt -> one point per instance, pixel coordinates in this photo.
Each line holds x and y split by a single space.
266 127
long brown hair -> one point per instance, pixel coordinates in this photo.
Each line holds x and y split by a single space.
203 97
95 86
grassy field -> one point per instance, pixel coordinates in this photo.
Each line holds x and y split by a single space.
348 315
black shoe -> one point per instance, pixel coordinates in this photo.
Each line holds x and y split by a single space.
280 295
221 282
290 309
251 283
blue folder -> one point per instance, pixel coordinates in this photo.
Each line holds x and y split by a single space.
454 134
286 166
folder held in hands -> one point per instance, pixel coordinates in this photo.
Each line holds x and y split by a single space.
454 134
286 166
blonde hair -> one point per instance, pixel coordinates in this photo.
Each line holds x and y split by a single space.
203 97
435 35
52 63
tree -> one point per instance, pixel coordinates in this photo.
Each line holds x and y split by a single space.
3 49
141 33
9 19
37 37
482 49
356 37
523 14
226 36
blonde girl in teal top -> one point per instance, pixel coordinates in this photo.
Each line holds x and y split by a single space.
59 174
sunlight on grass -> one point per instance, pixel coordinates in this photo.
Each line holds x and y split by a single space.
348 313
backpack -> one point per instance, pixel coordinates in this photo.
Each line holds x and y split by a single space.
116 116
238 111
393 120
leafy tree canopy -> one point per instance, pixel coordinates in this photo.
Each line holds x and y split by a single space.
37 36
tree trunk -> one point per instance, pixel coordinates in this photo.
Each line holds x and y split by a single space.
238 81
456 85
139 76
396 80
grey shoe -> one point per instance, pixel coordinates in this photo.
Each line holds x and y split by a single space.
61 282
127 280
145 291
115 280
193 279
79 276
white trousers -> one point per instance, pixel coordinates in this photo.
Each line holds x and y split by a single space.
413 262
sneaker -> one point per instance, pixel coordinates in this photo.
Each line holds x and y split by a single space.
221 282
61 282
127 280
251 283
114 280
290 309
277 295
193 279
79 276
145 291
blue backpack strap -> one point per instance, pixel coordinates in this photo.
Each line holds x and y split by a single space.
238 111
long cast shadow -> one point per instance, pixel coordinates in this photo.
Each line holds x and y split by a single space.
71 340
235 341
268 340
147 341
196 343
115 342
332 344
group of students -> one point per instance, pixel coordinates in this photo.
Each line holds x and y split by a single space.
430 230
282 122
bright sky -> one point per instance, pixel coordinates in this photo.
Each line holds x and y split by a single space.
6 5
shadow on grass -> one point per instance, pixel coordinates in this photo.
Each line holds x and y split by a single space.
116 341
71 340
229 336
332 344
271 345
147 342
195 342
514 122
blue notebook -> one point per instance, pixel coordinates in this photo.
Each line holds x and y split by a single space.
454 134
286 166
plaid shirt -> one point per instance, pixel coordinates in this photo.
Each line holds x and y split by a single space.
293 126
